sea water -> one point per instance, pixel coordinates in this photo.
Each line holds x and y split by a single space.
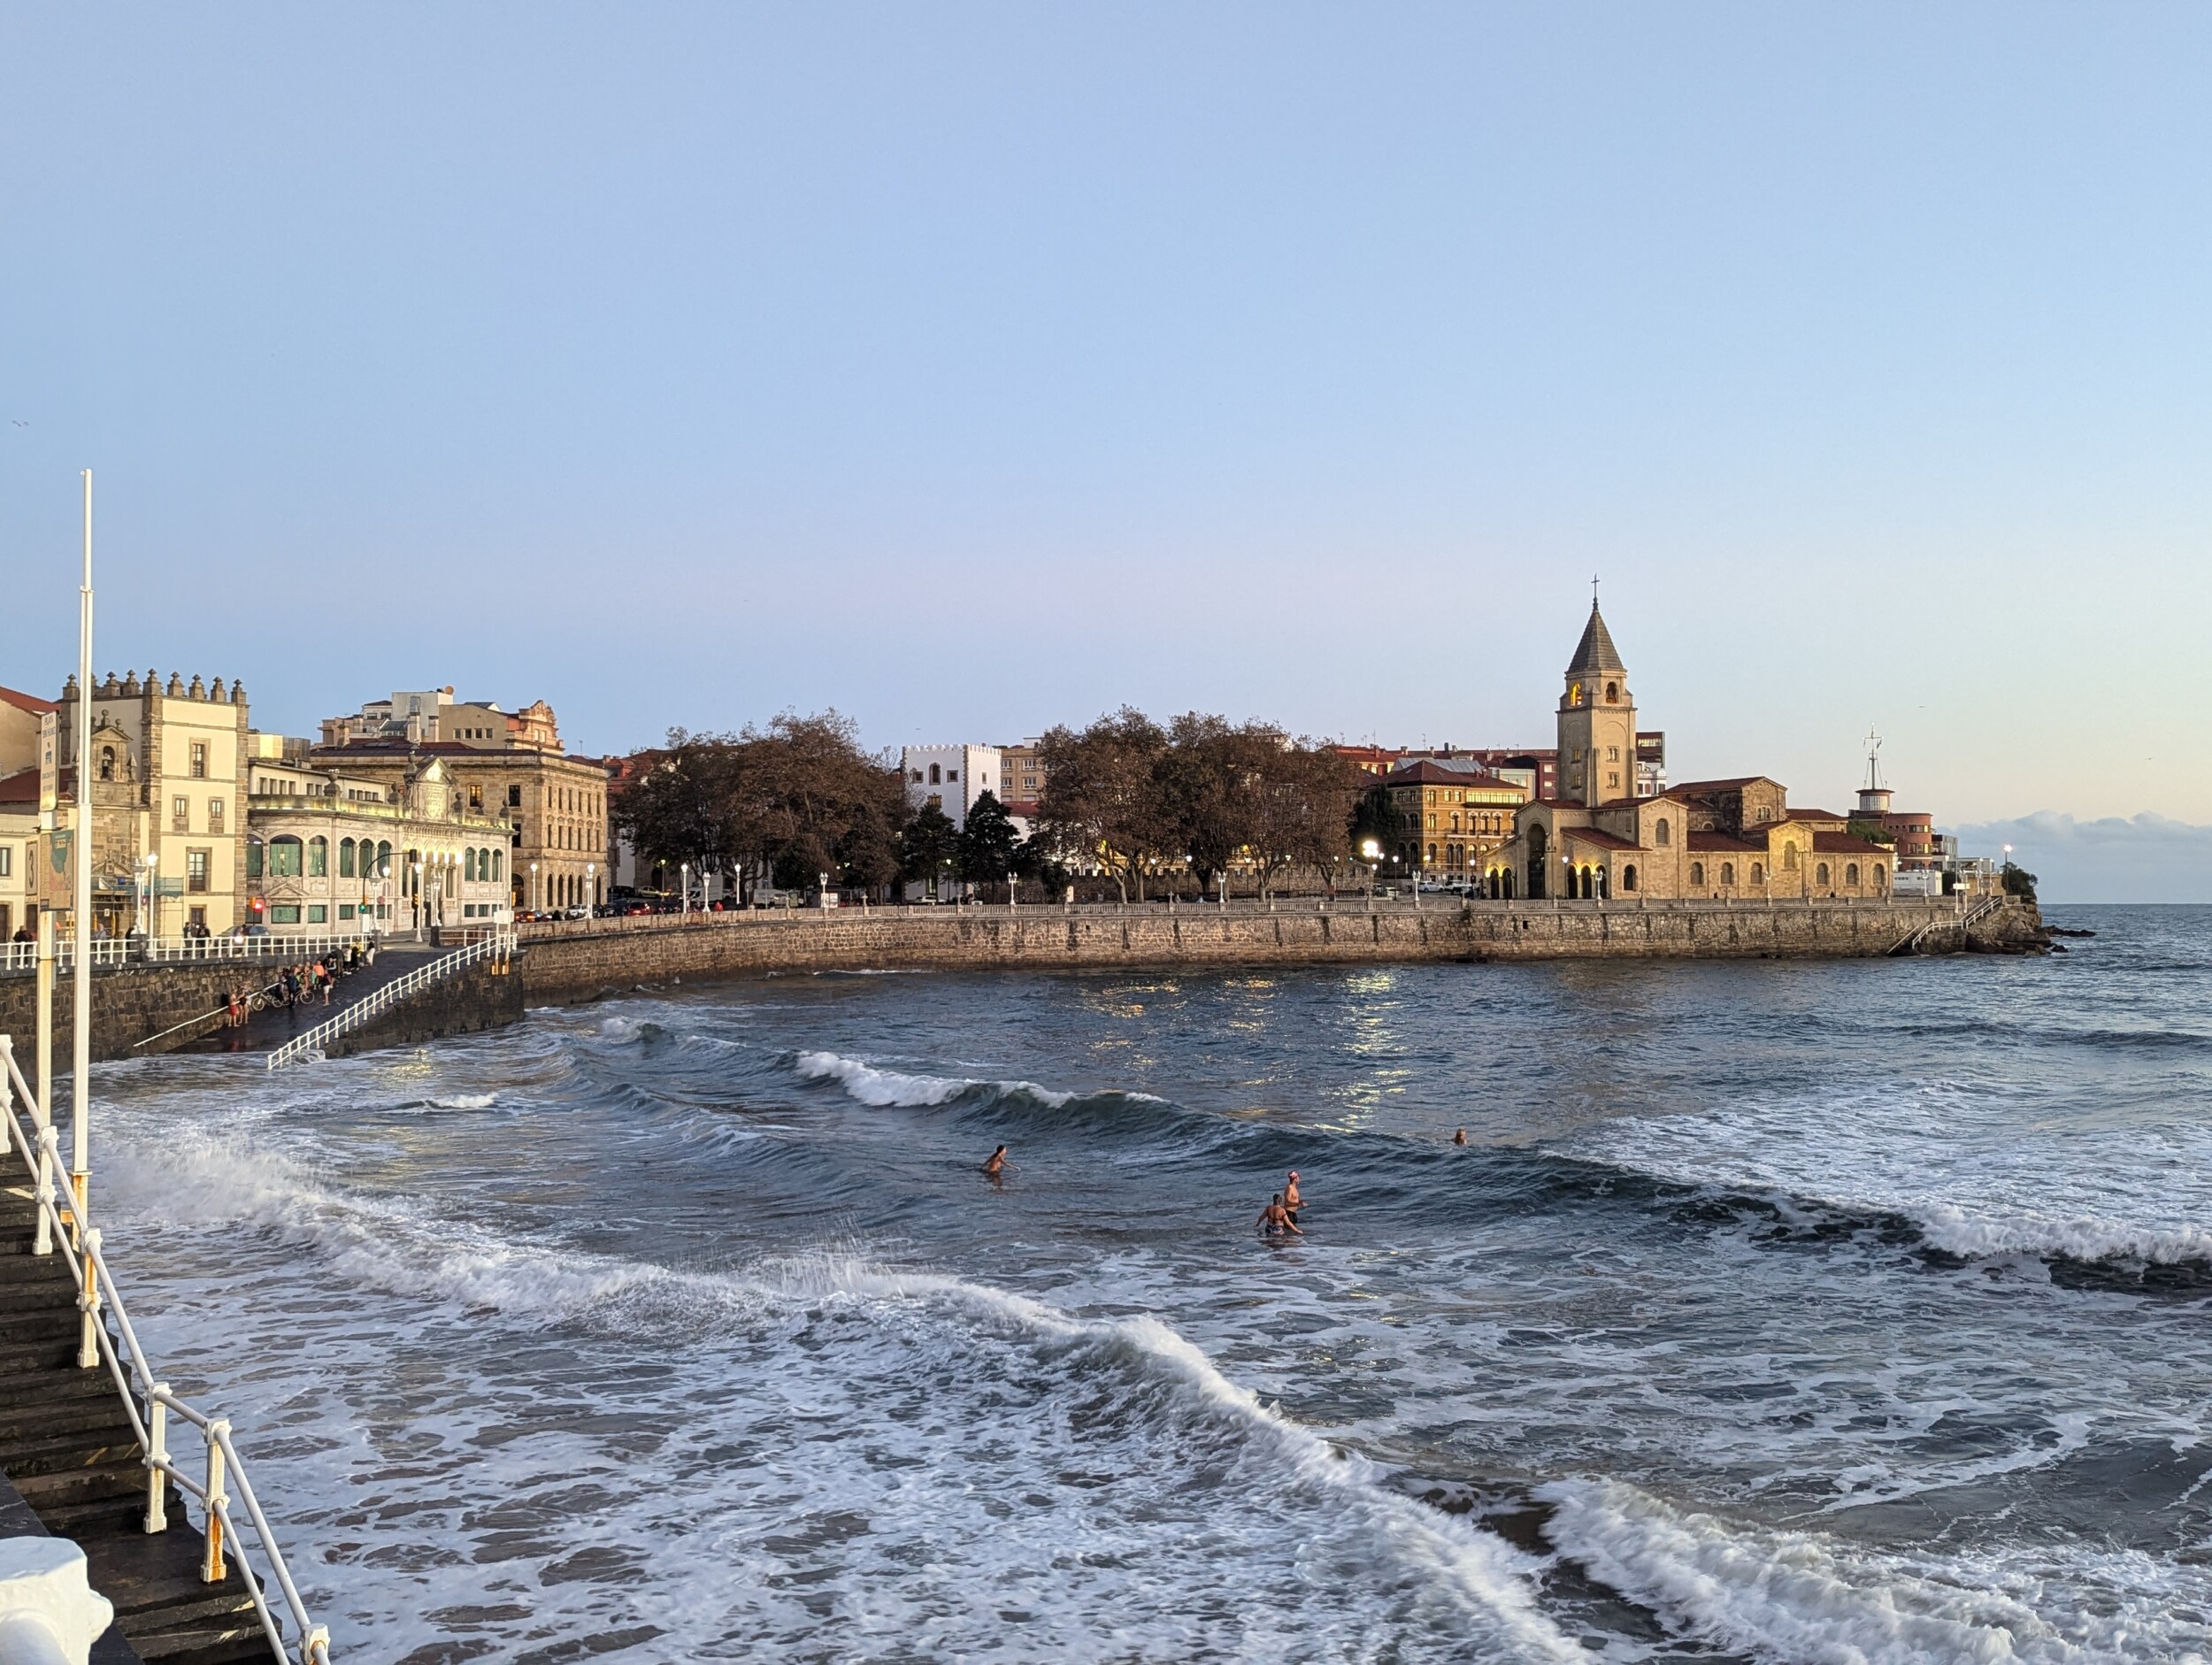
1782 1311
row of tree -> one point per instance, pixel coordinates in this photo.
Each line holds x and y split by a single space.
1125 797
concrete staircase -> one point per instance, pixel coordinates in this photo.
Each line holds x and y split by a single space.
266 1031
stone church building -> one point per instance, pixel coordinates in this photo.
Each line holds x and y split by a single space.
1735 839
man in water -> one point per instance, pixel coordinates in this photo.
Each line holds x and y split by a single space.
1291 1201
994 1168
1275 1219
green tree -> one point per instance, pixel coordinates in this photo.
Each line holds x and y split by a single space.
987 839
1102 800
930 847
2019 882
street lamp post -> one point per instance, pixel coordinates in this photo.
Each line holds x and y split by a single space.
591 890
683 884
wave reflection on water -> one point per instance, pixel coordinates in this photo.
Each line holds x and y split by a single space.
1774 1312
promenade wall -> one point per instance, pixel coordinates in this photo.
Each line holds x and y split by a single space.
579 960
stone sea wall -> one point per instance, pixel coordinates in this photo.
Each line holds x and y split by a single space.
579 961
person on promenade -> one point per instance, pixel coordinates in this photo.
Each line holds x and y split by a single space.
1292 1201
994 1167
1275 1219
237 1011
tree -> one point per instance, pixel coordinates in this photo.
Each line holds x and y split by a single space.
987 841
1207 782
1308 794
1100 799
674 804
930 845
2019 882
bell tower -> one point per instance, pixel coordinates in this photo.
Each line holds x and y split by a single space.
1597 720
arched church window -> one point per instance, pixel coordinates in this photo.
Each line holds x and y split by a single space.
1697 875
107 762
1628 877
1789 857
1574 693
1663 834
1878 875
1727 873
1612 693
1758 873
345 858
1820 876
936 775
1851 874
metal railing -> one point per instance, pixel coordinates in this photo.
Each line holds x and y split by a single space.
224 1469
114 951
496 944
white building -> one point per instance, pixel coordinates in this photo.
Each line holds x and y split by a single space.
955 776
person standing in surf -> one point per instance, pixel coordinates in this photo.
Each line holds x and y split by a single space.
994 1167
1291 1201
1275 1219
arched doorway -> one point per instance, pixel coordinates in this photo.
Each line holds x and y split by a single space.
1538 856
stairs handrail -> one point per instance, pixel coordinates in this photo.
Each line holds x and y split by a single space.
383 998
96 1289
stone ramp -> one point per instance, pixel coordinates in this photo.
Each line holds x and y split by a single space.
265 1030
68 1448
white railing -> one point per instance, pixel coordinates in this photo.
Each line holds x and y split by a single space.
224 1470
496 944
114 951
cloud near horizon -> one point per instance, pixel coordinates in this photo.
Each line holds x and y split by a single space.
2141 858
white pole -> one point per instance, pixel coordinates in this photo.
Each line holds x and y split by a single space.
81 1082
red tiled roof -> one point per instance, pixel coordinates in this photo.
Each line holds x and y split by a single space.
1845 844
1813 815
1728 785
19 787
1603 840
29 703
1723 844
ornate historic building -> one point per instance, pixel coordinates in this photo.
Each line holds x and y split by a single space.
1735 839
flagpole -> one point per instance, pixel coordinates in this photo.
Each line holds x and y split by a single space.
80 1080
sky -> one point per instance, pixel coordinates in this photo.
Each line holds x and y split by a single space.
974 368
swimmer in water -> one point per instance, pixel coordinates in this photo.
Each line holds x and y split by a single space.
1460 1138
994 1168
1292 1202
1275 1219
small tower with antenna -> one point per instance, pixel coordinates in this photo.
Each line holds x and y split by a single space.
1873 796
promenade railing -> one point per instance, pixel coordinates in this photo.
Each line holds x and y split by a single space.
118 951
220 1483
495 943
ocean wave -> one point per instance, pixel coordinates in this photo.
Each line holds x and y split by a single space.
888 1088
464 1101
1816 1601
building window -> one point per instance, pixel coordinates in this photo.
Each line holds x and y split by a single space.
7 860
1431 855
476 799
285 914
215 815
1628 877
197 918
345 858
180 814
1820 874
514 796
469 869
318 913
196 865
107 762
1758 873
254 856
1663 834
936 775
1612 693
345 910
284 857
1878 875
1727 874
1851 874
318 858
199 760
1697 875
499 862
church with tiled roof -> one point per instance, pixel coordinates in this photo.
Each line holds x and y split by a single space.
1733 839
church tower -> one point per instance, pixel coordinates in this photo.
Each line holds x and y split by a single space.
1597 722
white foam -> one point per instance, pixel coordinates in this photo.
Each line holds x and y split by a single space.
1803 1598
464 1101
888 1088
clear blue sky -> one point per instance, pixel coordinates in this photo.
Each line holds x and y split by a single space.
975 368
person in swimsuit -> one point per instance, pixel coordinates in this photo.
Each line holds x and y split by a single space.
1460 1138
1275 1219
994 1168
1292 1202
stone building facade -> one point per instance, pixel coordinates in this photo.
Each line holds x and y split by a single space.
1735 839
166 783
1454 820
330 850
